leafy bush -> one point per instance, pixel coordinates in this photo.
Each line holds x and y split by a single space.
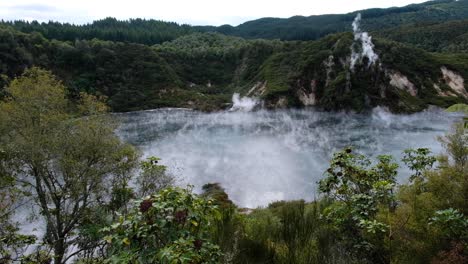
171 226
359 191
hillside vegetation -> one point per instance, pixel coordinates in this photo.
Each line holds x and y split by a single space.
295 28
142 64
450 37
203 70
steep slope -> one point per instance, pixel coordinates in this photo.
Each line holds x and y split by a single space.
404 79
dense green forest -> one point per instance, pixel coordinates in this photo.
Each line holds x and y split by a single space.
203 70
201 67
60 155
295 28
450 37
134 30
315 27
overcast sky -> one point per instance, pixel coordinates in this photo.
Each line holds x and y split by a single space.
195 12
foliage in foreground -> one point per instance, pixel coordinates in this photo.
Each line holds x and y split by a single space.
365 217
60 154
360 191
171 226
63 155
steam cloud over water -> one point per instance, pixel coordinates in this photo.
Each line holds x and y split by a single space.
367 49
264 156
246 104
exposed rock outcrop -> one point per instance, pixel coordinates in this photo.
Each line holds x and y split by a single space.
258 89
400 81
454 81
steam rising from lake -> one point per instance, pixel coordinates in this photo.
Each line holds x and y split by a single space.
245 104
367 47
264 156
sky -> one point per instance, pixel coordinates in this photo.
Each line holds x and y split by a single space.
194 12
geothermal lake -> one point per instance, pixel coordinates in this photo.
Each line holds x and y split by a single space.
265 156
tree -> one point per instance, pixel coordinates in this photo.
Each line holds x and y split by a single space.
419 161
171 226
153 177
431 216
228 227
456 144
358 191
64 152
12 244
451 223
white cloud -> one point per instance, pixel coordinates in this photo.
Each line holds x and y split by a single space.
199 12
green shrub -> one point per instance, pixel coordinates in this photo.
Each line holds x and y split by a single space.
172 226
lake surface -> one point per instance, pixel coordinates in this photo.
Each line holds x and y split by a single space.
265 156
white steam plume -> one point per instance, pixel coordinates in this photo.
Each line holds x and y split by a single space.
366 42
266 156
245 104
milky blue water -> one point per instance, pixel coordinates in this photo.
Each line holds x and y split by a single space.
264 156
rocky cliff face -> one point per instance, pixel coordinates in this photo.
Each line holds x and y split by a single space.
323 74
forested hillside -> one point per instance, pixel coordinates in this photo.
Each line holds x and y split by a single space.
203 70
314 27
134 30
295 28
196 69
447 37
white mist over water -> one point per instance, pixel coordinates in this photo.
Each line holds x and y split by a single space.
264 156
366 42
245 104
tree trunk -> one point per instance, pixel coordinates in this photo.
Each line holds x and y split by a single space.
59 250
